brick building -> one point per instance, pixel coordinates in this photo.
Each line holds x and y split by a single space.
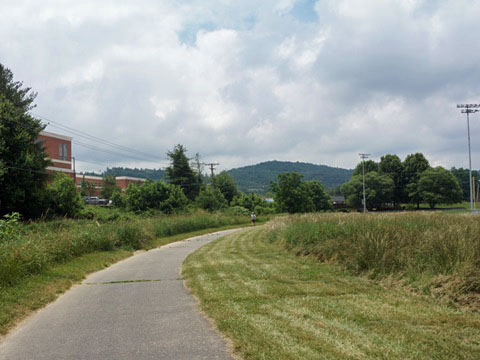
59 151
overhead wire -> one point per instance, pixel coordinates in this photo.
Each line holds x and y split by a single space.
97 139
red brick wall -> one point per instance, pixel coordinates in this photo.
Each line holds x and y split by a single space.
51 145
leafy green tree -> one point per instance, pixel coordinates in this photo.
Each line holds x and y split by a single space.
462 176
23 175
167 198
321 200
211 199
225 183
119 199
370 165
414 165
291 194
392 166
181 174
439 186
64 198
378 190
109 186
250 201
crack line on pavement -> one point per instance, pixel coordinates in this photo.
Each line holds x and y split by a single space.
129 281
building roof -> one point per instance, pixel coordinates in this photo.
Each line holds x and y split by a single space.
56 136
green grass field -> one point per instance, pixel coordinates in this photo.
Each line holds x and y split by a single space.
274 304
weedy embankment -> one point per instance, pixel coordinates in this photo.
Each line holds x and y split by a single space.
438 254
273 304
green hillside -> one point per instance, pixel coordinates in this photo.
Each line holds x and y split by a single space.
256 178
253 178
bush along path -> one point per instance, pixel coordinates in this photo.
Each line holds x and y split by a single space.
41 260
136 309
274 304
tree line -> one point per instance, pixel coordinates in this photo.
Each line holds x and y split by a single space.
26 186
392 182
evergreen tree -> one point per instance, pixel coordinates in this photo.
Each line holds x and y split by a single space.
23 175
181 174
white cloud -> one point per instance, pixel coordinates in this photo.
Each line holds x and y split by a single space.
254 82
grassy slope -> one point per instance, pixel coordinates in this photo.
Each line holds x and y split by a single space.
275 305
36 291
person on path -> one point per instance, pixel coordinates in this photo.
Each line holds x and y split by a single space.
254 218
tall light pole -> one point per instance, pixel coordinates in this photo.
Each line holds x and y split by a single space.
469 109
363 157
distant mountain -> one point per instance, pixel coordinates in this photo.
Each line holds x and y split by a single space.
257 178
253 178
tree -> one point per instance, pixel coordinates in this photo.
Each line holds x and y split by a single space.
64 198
181 174
211 199
378 190
109 186
370 165
21 97
414 165
250 201
462 176
291 194
392 166
23 175
167 198
225 183
439 186
321 200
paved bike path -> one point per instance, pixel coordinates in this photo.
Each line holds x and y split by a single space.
135 309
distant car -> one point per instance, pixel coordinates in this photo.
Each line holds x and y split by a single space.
102 201
91 200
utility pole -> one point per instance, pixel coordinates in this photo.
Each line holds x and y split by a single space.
74 173
469 109
363 157
212 169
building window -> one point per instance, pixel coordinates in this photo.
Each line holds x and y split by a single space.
65 152
60 151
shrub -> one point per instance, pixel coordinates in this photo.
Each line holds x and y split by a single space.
64 198
9 226
211 199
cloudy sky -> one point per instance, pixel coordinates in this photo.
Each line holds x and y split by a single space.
247 81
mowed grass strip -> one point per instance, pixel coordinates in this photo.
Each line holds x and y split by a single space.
275 305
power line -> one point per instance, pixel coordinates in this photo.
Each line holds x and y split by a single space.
95 138
92 147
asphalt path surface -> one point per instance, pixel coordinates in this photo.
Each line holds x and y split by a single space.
135 309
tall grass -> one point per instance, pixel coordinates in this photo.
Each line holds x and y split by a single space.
34 247
430 247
